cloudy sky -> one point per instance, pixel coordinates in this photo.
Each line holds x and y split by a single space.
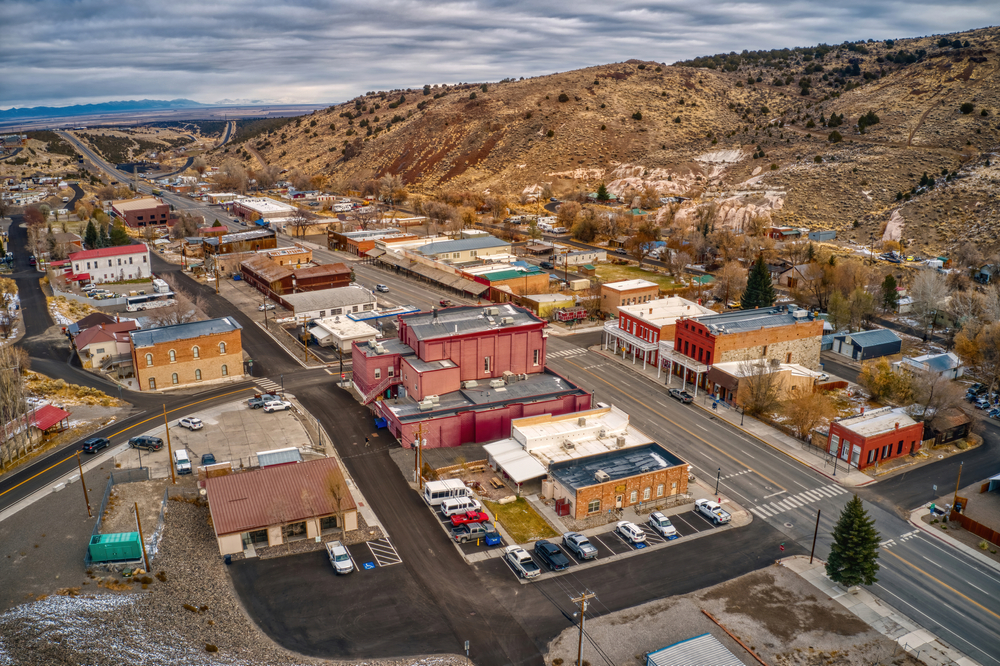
61 52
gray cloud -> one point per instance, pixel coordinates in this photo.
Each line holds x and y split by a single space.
58 52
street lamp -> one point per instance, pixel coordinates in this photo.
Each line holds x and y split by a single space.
282 386
718 477
743 410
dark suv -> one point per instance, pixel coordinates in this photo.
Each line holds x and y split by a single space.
95 444
146 442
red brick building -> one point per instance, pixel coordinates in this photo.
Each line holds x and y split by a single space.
868 439
463 373
271 278
145 212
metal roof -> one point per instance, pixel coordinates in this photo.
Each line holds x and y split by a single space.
462 245
750 320
873 338
619 464
469 319
188 331
324 299
275 495
514 460
510 274
697 651
279 456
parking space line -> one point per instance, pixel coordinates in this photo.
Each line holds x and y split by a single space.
384 552
705 520
595 538
680 517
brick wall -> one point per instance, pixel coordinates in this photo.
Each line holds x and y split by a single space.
673 479
877 448
611 299
210 361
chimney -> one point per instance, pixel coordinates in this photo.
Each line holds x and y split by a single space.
434 312
897 425
862 409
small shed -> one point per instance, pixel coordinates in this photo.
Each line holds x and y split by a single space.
866 345
949 425
697 651
823 235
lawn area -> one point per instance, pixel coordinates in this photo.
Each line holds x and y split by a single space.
613 273
521 521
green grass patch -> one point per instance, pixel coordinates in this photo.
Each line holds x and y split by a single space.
613 273
521 521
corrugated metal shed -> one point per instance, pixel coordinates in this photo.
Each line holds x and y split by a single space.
279 457
878 336
697 651
275 496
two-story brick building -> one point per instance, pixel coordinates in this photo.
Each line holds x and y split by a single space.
640 328
463 373
780 334
198 352
880 434
140 213
226 252
627 292
271 278
111 264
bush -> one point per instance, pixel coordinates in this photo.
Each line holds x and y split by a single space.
677 120
563 97
967 108
637 116
983 545
471 96
550 134
835 137
210 648
603 127
984 113
818 159
811 123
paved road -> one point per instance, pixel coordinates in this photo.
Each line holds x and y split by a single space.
918 572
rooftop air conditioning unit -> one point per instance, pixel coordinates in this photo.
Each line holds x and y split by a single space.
496 383
494 311
472 383
379 349
800 314
509 377
601 476
620 442
435 399
582 421
568 445
524 376
425 405
602 433
507 320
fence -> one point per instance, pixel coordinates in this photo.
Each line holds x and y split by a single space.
975 527
119 476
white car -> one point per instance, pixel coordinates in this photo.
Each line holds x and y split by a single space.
191 423
662 525
265 306
712 511
277 406
630 531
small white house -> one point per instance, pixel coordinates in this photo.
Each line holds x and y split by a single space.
947 364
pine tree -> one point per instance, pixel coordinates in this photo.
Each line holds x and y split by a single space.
890 297
90 236
759 292
118 236
602 193
853 556
105 239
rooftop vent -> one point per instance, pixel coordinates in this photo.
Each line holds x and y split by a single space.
472 383
568 445
582 421
620 442
601 476
496 383
507 320
602 433
493 311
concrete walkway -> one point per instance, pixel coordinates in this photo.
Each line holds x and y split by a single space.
945 537
799 451
918 642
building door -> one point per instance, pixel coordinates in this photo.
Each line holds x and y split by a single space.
618 501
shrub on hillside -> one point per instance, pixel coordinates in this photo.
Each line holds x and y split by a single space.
835 137
967 108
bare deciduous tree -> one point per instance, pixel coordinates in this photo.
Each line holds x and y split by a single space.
729 282
182 312
759 387
808 411
199 165
928 292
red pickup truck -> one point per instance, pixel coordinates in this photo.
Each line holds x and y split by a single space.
470 517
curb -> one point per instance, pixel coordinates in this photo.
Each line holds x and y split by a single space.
949 540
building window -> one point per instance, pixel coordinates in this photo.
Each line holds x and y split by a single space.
322 313
537 356
659 490
392 371
871 456
99 351
456 255
174 379
646 493
594 506
225 370
173 356
886 451
336 311
197 375
195 352
899 449
673 486
634 497
222 348
378 374
149 360
328 523
486 363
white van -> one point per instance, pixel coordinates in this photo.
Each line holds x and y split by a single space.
181 462
457 505
436 492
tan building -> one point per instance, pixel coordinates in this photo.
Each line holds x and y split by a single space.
280 504
725 380
465 249
198 352
628 292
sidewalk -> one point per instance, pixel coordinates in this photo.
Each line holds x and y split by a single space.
777 440
918 642
945 537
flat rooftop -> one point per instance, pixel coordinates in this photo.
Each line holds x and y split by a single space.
468 319
620 464
323 299
877 421
240 236
537 387
390 345
188 331
751 320
265 205
626 285
665 311
462 245
137 204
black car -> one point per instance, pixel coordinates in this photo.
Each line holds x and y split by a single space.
95 444
207 459
683 396
547 264
552 555
146 442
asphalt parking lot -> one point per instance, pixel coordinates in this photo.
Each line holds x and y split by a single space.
467 548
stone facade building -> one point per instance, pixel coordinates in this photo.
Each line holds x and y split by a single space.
184 354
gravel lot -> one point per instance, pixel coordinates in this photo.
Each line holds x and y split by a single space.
776 613
119 515
173 621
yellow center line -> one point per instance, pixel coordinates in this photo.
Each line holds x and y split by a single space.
939 582
152 418
677 425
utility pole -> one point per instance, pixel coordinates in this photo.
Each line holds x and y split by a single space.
138 524
84 484
216 276
815 532
417 457
170 452
581 601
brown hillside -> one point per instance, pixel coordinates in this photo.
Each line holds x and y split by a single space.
699 135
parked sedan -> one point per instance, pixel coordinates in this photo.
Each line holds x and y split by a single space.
191 423
546 264
445 303
630 531
95 444
146 442
683 396
469 517
277 406
552 555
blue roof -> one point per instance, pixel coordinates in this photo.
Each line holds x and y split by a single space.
873 338
194 329
696 651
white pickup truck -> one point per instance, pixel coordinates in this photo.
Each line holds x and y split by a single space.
522 562
712 511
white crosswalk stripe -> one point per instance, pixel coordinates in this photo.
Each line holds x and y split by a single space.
568 352
825 491
268 386
795 501
837 490
759 512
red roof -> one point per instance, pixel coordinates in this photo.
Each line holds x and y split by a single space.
49 415
109 252
105 333
275 496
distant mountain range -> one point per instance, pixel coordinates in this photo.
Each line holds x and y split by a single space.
103 107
